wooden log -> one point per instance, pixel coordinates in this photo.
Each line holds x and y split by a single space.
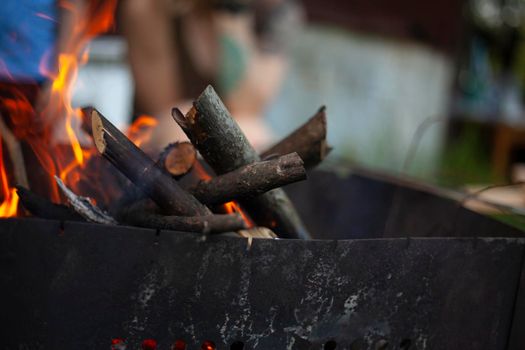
142 214
220 141
308 140
14 149
142 171
178 158
250 180
199 224
43 208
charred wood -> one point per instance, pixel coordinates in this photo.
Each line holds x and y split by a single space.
143 214
142 170
223 145
45 209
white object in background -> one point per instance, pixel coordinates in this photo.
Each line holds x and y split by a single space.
377 92
105 82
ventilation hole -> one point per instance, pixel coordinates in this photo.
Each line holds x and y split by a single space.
381 344
405 344
118 344
208 345
330 345
238 345
179 345
149 344
358 344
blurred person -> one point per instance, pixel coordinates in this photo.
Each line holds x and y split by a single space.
177 47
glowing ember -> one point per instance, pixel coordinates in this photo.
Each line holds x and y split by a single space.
149 344
179 345
200 172
208 345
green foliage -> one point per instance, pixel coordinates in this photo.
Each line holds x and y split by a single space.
466 161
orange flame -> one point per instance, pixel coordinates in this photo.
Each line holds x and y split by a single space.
235 208
200 172
60 146
141 129
9 206
89 22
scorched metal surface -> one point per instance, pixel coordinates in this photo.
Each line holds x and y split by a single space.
76 286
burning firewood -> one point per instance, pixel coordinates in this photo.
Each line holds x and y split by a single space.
178 158
145 213
223 145
199 224
308 140
43 208
15 153
250 180
142 170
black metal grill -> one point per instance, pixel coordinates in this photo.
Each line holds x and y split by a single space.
75 285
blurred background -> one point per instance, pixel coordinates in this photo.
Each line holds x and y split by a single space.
383 69
433 90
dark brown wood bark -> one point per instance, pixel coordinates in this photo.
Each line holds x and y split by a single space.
220 141
250 180
309 141
199 224
142 171
43 208
143 213
178 158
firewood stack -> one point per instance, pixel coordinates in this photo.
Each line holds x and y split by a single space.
239 177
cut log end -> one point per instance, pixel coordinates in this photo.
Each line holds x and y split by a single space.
98 131
178 158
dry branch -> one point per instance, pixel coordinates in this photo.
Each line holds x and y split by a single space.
309 141
142 171
199 224
143 213
43 208
250 180
211 129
